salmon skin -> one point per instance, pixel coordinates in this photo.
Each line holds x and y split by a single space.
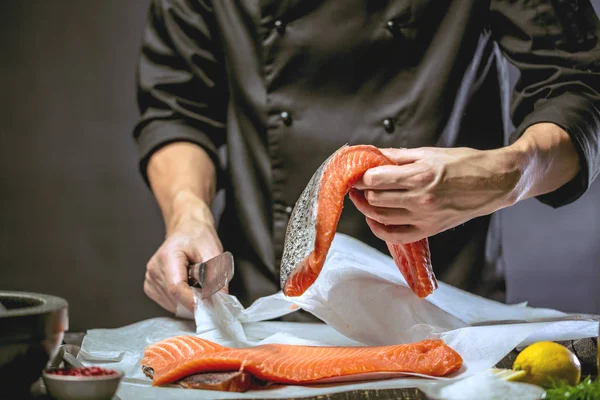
178 357
234 381
315 217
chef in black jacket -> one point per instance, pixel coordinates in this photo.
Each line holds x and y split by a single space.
283 84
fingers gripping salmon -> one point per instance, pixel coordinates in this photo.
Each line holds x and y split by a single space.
314 220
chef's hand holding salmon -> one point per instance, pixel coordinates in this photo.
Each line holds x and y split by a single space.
183 178
411 194
435 189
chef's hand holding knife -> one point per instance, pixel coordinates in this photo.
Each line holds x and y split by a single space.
182 177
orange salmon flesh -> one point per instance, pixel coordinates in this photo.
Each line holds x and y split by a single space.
341 171
180 356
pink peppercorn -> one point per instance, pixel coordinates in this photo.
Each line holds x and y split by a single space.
85 371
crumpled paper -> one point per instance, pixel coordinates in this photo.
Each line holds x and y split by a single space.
364 300
361 293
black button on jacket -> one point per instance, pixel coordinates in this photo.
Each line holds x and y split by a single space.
283 84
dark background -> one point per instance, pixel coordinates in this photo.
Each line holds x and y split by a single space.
75 217
76 220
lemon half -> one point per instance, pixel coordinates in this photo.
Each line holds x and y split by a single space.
508 374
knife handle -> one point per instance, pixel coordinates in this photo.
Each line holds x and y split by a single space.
196 274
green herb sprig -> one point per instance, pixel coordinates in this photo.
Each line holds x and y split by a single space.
587 389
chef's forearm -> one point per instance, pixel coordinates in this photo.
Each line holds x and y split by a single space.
183 180
547 160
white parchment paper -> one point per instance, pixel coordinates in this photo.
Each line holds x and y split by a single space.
363 300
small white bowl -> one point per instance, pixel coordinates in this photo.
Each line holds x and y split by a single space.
69 387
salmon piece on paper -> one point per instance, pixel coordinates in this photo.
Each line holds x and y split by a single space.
176 358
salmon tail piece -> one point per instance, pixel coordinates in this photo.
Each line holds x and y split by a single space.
414 262
315 217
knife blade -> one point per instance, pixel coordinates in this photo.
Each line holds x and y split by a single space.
212 275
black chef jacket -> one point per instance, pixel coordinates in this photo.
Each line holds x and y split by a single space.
283 84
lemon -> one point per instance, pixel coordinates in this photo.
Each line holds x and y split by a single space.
546 363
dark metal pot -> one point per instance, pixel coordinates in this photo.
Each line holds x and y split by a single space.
32 327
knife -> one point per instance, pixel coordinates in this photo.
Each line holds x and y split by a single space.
211 275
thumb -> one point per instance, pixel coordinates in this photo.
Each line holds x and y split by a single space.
402 156
181 293
177 280
201 250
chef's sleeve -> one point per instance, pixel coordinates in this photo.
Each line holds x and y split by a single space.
554 44
180 79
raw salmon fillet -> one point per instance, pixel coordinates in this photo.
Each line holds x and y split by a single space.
181 356
315 217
